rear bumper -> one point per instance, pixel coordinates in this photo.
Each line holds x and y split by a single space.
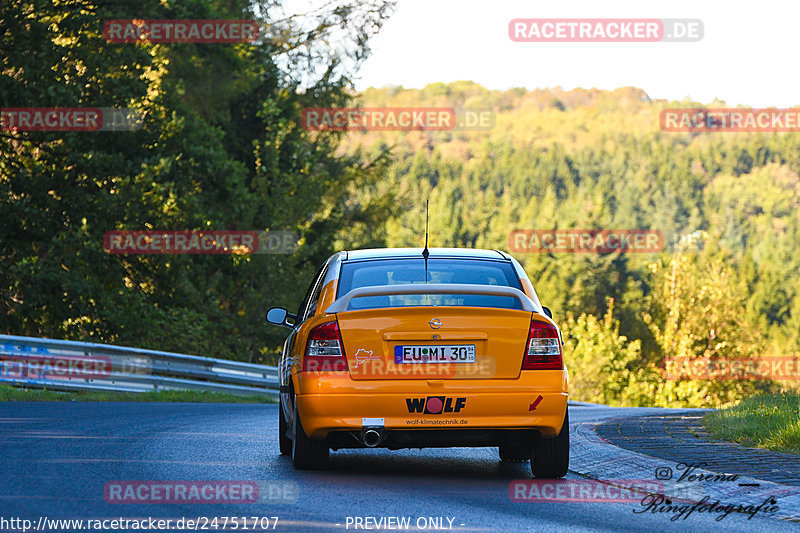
332 402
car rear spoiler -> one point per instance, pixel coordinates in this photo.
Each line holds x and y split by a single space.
343 303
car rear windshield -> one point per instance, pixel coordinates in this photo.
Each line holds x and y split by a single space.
385 272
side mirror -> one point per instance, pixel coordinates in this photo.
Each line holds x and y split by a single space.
547 311
277 317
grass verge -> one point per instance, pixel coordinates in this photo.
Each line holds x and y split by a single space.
764 421
16 394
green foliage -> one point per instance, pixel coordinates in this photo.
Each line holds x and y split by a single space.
604 366
221 148
597 159
698 305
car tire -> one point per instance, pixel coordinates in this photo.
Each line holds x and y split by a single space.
307 454
284 442
515 453
551 456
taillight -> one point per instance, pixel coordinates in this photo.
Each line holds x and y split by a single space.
325 350
543 349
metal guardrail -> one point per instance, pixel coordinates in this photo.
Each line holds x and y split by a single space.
71 365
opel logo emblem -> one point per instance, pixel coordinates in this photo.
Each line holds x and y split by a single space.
435 323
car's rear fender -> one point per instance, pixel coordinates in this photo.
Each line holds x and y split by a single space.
331 401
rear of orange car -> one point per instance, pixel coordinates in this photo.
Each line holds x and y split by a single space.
407 352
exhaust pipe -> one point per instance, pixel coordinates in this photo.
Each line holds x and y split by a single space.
372 437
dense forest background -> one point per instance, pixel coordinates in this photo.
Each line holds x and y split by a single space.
222 148
727 284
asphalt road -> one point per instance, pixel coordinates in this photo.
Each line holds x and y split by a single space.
56 458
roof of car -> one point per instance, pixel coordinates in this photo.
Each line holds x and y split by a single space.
387 253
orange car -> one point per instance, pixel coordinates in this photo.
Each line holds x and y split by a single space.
411 348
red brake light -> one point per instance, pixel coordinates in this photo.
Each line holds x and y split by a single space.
543 349
325 350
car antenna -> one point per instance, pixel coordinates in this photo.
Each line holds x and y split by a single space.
425 252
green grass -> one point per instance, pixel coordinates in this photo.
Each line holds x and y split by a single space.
16 394
764 421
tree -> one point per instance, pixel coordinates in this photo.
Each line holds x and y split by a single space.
221 147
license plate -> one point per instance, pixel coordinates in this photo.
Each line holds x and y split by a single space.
435 353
